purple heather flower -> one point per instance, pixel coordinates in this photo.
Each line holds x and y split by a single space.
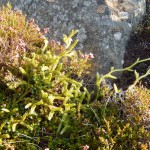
45 30
88 56
1 19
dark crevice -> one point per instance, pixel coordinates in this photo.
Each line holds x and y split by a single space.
138 46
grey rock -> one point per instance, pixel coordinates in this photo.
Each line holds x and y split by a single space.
104 25
117 36
101 9
124 15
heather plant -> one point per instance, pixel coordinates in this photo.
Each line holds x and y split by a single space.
17 36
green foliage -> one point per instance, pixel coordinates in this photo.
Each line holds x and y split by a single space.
44 103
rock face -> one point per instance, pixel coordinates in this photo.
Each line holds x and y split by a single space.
104 25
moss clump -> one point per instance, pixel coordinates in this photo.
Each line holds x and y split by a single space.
137 105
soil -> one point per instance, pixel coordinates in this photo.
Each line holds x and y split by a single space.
138 47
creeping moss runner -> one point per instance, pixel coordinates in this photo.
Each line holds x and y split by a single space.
44 105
